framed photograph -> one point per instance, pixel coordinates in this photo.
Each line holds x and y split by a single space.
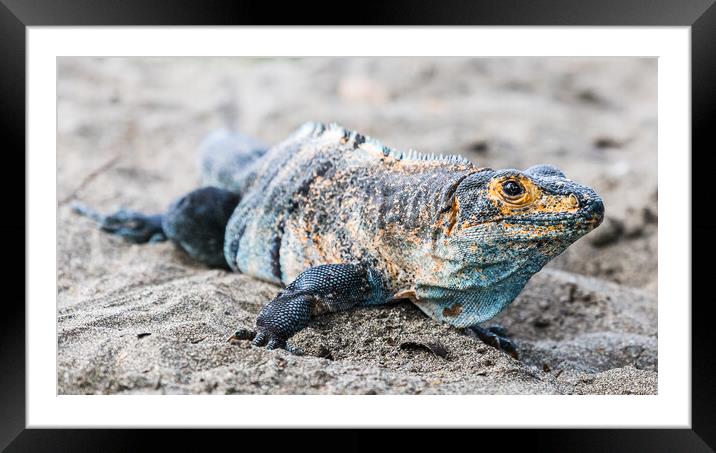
392 225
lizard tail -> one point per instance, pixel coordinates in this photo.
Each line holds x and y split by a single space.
226 158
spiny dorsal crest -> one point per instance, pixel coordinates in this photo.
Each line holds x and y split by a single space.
335 132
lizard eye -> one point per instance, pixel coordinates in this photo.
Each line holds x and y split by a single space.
512 188
514 191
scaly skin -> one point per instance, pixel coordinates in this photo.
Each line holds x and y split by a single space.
344 221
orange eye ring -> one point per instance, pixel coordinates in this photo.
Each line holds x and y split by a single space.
514 191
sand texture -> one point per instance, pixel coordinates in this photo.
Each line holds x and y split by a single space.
146 319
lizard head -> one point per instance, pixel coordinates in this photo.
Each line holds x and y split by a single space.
502 227
539 210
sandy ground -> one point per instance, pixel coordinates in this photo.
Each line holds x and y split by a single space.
145 319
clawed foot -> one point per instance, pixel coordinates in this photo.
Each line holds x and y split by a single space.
268 340
263 338
131 225
496 336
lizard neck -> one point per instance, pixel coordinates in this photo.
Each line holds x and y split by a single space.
465 283
463 307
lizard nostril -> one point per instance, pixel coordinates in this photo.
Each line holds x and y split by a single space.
573 201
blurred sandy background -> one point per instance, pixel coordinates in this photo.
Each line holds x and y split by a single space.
128 129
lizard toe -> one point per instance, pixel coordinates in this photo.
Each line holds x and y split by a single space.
507 346
498 330
276 343
261 339
500 342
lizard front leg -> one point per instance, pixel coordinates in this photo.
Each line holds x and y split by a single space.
320 289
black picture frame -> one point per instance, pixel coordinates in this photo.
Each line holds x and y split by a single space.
699 15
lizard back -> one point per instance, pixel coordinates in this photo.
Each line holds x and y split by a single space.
328 195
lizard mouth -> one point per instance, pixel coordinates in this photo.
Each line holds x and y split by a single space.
587 217
554 221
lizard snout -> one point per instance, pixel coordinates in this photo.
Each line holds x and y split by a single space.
592 210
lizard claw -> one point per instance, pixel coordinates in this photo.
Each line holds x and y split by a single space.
498 330
275 343
263 339
268 339
495 337
260 340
